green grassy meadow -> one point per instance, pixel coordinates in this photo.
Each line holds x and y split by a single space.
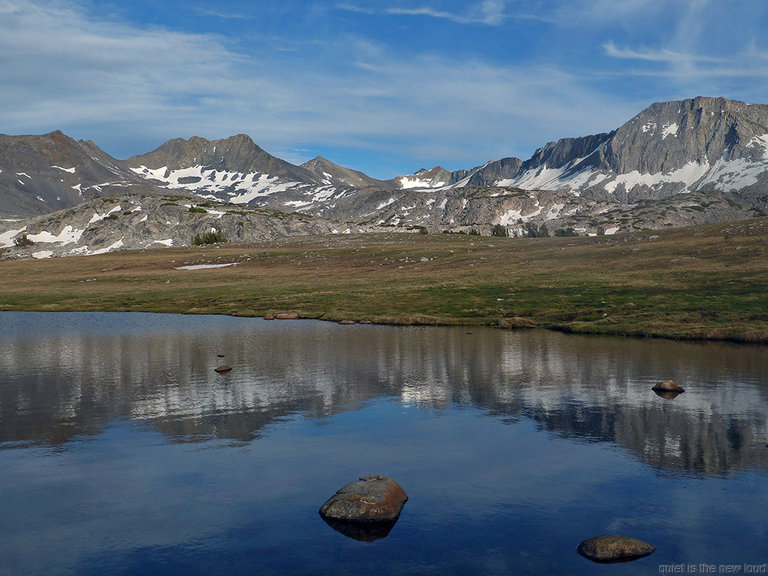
699 283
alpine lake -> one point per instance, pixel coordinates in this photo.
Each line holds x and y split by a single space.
123 451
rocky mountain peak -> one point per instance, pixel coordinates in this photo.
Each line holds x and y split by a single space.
667 136
41 174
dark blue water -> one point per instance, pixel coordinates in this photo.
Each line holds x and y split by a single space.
123 452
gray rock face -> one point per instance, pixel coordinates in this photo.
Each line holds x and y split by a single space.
701 144
494 172
330 172
609 549
370 499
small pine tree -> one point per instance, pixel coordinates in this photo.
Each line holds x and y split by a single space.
499 230
23 241
208 238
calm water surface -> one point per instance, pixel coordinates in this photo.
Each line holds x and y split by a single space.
123 452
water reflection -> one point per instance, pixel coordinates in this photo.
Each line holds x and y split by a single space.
362 531
68 375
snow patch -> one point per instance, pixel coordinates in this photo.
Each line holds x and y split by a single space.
729 175
669 130
96 216
70 170
68 235
40 254
242 188
685 176
407 182
554 211
6 238
204 266
115 246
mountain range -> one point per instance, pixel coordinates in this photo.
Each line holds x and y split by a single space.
675 163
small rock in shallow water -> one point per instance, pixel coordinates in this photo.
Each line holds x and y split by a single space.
668 386
222 369
370 499
607 549
288 316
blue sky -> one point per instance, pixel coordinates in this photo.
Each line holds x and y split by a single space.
386 87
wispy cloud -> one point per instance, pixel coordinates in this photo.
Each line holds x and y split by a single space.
659 55
487 12
223 14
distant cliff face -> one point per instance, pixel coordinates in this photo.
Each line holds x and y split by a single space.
702 144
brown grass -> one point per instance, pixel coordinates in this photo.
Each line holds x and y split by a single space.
707 282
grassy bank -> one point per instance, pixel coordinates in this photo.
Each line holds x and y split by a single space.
707 282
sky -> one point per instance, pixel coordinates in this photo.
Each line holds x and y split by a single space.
386 87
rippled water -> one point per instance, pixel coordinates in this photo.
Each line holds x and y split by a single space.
123 452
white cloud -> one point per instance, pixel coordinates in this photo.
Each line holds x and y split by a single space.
116 83
130 88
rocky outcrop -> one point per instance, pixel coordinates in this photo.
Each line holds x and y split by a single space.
369 499
609 549
133 222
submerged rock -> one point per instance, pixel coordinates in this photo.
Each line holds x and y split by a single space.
223 369
370 499
668 386
607 549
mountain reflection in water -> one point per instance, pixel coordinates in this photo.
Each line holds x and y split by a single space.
69 375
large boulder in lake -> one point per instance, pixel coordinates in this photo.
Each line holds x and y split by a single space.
370 499
608 549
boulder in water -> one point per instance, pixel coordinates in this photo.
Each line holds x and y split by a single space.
608 549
